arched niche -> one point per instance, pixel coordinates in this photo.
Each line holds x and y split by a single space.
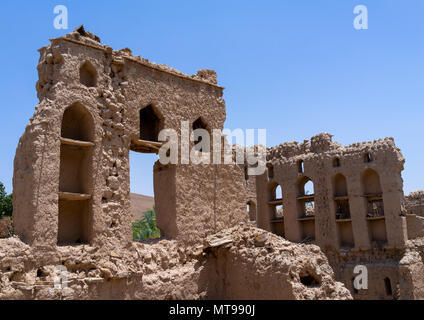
371 182
340 185
75 177
150 123
88 74
276 209
305 186
199 123
306 208
77 123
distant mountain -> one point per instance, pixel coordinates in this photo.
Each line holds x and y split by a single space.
140 204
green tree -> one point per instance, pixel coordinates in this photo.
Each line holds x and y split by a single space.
145 228
6 207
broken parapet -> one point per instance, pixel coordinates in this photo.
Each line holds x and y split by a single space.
89 39
207 75
322 144
414 203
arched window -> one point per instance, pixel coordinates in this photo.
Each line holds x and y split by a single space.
251 211
276 208
88 75
373 196
373 193
306 196
278 192
305 187
306 208
388 286
371 182
270 171
77 123
279 210
368 157
341 198
336 162
75 179
199 123
340 185
150 124
300 166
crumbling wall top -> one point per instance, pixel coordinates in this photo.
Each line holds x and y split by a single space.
322 145
83 37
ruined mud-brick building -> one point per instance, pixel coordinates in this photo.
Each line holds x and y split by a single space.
352 209
72 212
71 176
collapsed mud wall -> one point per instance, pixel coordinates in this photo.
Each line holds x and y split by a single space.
248 263
239 263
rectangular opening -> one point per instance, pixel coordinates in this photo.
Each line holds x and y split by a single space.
149 124
345 234
251 211
306 217
308 230
388 287
277 219
277 227
75 168
375 207
342 209
74 222
306 208
278 212
378 230
270 171
142 195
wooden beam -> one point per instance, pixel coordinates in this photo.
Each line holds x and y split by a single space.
76 143
146 146
275 202
74 196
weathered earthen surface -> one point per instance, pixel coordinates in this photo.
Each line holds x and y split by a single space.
6 228
261 265
414 203
78 141
250 264
72 197
355 213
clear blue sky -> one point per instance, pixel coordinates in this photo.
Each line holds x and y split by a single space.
294 67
